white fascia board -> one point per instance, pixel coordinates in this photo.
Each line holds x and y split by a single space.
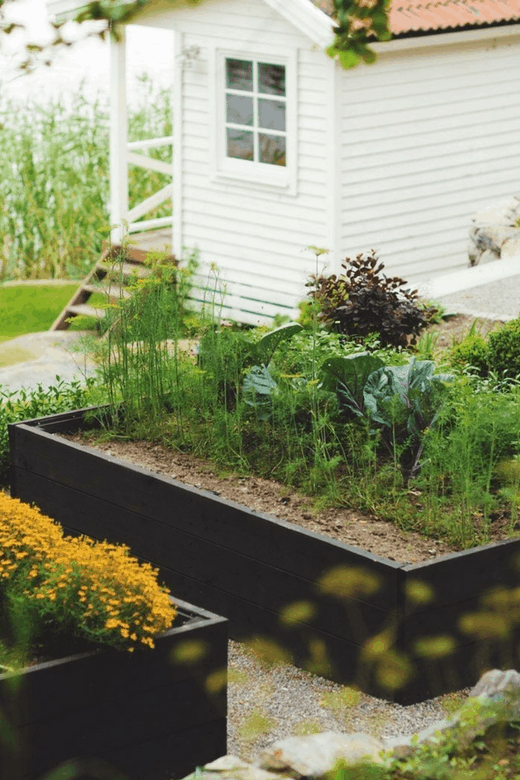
302 14
307 18
446 39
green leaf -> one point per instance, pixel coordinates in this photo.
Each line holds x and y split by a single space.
347 377
376 389
269 343
369 56
258 385
348 59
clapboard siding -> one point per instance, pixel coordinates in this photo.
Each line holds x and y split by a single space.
423 146
242 228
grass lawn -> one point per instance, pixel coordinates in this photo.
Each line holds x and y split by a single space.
29 308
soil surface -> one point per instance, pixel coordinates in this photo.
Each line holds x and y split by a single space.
355 528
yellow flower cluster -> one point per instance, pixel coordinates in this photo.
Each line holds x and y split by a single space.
97 589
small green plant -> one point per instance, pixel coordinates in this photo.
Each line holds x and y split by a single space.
363 300
24 404
403 400
472 352
504 349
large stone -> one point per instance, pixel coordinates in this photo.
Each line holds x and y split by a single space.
496 683
498 213
489 256
494 699
231 768
317 754
512 246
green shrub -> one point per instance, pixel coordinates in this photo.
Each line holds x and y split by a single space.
363 300
16 406
471 352
504 349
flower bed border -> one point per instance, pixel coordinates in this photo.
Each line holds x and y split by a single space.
250 567
143 713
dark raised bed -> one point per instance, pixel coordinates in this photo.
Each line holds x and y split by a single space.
147 715
250 567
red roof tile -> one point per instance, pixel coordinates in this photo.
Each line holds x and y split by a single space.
415 15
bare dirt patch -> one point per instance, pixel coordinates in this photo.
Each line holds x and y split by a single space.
454 328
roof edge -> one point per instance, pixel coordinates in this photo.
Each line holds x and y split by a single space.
436 38
302 14
306 17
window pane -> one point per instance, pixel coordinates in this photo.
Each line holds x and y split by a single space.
240 144
271 79
239 110
271 114
239 75
272 149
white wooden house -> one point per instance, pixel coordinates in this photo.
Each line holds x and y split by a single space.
277 148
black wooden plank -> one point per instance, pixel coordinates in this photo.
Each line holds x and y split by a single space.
461 576
169 548
117 723
283 545
171 757
162 756
108 675
462 669
445 621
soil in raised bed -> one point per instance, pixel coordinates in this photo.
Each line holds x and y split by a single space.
352 527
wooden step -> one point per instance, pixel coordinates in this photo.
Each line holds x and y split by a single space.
85 310
124 270
109 276
111 290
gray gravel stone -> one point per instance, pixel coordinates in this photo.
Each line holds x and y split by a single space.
270 703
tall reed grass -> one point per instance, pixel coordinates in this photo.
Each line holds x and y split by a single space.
54 188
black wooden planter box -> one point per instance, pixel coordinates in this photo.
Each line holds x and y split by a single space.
251 567
147 715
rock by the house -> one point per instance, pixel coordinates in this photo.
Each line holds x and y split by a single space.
495 233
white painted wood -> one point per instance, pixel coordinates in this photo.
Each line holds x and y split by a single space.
396 156
253 233
470 278
312 22
118 138
149 224
150 203
178 147
151 143
423 145
150 163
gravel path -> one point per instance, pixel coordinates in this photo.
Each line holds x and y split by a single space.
267 703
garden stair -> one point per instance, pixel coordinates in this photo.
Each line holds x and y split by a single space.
113 272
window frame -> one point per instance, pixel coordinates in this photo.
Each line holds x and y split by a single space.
263 175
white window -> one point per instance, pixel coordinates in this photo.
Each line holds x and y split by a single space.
255 137
256 112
